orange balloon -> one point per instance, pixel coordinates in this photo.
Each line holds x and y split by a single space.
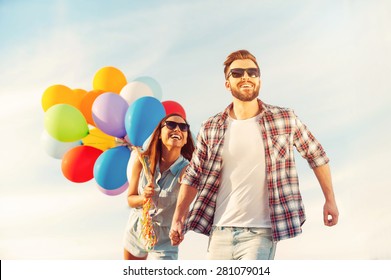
58 94
109 79
79 95
86 105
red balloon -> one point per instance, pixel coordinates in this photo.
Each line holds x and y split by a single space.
78 163
174 107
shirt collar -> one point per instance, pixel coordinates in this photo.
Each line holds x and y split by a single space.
225 114
175 167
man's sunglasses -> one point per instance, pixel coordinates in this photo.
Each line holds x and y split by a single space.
239 72
171 125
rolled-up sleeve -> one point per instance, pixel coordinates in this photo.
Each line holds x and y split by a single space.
307 145
194 169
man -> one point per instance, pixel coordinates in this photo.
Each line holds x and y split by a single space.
243 173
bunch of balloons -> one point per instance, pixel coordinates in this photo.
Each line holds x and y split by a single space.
93 132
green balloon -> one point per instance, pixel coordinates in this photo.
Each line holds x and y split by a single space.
65 123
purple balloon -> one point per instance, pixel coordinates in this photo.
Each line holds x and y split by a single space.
108 111
114 192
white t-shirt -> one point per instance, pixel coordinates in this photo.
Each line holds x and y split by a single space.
242 198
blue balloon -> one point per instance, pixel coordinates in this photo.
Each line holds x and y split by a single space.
111 166
153 84
142 117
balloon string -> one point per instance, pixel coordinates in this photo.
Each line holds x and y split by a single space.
148 233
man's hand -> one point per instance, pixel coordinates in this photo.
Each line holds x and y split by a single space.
176 233
330 214
330 209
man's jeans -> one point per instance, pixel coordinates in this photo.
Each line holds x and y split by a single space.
238 243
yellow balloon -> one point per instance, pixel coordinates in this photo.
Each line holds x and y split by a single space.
109 79
80 92
58 94
98 139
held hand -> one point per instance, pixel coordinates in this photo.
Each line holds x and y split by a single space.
176 233
148 191
330 214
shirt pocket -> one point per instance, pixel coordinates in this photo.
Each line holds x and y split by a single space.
280 146
168 197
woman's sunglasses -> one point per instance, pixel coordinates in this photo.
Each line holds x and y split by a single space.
171 125
239 72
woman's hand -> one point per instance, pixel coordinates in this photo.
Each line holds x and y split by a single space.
148 191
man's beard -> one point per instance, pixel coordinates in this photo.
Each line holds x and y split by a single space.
243 97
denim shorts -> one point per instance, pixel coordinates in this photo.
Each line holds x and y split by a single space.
133 243
240 243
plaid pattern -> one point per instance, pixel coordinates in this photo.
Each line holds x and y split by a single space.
281 130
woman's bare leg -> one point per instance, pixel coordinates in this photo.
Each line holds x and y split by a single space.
129 256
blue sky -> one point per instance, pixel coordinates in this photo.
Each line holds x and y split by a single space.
329 60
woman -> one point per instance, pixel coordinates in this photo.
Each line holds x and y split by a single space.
168 153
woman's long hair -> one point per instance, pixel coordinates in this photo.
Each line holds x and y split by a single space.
154 150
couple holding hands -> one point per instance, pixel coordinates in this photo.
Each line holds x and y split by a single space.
238 184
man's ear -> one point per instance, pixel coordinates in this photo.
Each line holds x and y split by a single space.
227 85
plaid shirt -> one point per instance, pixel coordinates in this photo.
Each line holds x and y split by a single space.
281 130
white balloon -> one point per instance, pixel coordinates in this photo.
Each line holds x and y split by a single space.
153 84
133 156
55 148
147 142
134 90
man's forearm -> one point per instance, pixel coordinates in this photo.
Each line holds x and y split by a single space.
185 198
330 209
323 175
